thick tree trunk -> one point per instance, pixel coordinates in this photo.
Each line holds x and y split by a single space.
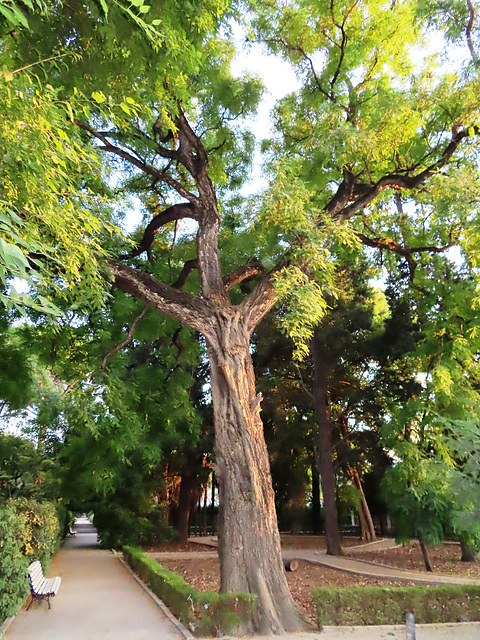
249 542
324 452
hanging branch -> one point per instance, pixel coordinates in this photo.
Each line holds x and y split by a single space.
128 337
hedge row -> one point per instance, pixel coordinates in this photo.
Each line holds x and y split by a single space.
29 530
390 605
205 614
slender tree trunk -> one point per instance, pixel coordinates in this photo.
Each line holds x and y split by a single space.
324 451
204 510
426 559
249 542
468 553
316 506
212 506
366 522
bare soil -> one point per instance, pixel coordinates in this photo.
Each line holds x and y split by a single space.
204 574
445 559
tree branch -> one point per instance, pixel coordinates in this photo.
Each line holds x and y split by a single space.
184 307
361 194
252 268
173 213
188 267
148 169
262 298
128 337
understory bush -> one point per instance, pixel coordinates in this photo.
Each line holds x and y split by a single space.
390 605
205 614
13 564
29 530
118 526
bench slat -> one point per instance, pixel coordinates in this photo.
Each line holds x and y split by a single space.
39 585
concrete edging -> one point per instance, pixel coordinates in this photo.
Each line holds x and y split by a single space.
5 624
179 626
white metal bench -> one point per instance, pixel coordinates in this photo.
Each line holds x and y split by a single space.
41 587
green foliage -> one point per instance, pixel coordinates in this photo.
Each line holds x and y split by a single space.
41 530
205 613
13 564
119 525
19 467
45 191
389 605
418 491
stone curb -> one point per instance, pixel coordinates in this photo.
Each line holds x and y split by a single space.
179 626
6 623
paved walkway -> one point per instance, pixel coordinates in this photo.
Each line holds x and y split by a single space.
98 599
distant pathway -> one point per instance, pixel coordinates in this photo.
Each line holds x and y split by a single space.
357 567
98 599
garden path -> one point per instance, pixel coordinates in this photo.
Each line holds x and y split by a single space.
98 599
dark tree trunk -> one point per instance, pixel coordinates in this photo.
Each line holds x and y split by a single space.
324 451
468 553
248 538
426 559
316 506
204 510
182 519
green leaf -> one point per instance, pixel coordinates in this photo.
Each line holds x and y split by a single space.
7 74
104 6
98 96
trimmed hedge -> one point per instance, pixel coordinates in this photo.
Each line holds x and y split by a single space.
389 605
205 614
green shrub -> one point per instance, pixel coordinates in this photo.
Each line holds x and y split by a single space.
40 529
205 614
390 605
13 565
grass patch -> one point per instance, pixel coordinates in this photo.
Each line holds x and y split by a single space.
390 605
205 614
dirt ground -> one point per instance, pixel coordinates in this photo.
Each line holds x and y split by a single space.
444 558
203 574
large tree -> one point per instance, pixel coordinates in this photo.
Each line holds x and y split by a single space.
167 117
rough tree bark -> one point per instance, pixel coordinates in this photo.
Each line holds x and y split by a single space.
249 542
324 450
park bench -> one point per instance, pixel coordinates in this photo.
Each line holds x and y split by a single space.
41 587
